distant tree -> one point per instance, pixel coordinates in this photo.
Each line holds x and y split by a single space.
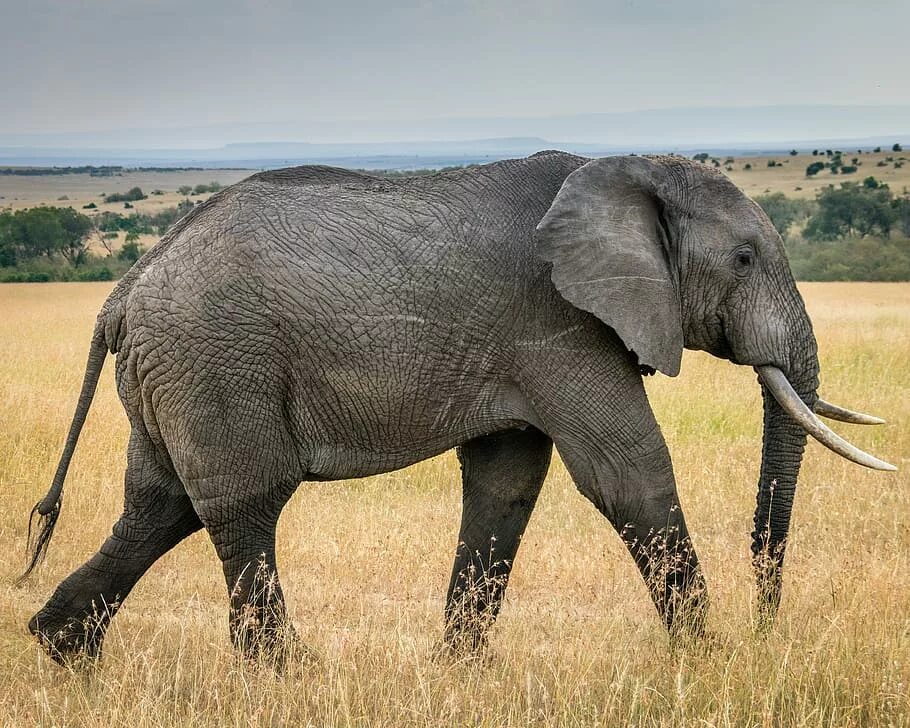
44 232
814 168
877 150
773 163
131 251
853 209
829 153
76 228
780 209
747 166
814 152
90 206
902 214
7 244
896 147
793 152
185 190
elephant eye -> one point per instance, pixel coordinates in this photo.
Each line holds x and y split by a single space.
744 258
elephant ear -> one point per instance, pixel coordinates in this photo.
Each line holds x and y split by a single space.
607 238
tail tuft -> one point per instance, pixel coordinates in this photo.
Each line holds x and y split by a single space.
40 529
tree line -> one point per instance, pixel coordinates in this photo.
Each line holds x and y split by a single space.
53 243
854 231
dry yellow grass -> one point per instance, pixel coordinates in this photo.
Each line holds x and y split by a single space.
365 564
790 176
19 192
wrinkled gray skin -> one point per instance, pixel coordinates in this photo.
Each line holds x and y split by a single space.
316 324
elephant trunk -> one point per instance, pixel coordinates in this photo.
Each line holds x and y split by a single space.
782 451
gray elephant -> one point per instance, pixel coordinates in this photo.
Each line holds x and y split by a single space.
316 324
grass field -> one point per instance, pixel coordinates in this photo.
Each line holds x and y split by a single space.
365 565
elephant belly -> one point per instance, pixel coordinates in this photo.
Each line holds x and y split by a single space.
354 423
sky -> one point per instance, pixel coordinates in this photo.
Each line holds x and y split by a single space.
103 65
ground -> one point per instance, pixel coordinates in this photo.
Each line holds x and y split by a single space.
365 564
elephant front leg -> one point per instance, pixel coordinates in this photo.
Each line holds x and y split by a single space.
502 475
654 530
641 502
597 413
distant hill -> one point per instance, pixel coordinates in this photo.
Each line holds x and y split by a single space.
415 142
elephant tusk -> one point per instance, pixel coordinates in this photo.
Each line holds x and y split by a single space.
776 382
833 412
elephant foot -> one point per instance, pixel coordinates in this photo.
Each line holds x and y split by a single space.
272 642
447 653
464 643
71 642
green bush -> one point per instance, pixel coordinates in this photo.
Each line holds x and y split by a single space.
814 168
851 259
782 210
132 195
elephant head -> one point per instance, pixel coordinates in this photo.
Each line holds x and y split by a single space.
671 255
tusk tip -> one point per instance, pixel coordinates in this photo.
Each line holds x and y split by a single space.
833 412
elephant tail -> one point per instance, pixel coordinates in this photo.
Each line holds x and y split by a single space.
44 515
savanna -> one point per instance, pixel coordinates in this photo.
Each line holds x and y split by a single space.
365 564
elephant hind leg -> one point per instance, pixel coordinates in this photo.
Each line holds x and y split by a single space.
157 515
241 522
501 475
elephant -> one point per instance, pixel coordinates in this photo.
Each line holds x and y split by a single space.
313 323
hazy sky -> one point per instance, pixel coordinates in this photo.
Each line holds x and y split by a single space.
98 64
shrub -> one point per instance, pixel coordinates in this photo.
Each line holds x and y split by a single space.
131 250
814 168
781 210
747 166
96 274
851 259
132 195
